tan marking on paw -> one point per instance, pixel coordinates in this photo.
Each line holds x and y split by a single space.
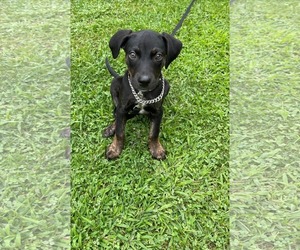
157 151
114 150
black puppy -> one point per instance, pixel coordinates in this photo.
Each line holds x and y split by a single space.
142 89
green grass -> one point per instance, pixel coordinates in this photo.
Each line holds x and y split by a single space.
34 90
136 202
264 197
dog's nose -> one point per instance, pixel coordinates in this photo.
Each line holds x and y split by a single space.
144 80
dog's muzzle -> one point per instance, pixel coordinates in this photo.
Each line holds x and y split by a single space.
139 96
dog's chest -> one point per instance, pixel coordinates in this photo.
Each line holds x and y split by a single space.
140 109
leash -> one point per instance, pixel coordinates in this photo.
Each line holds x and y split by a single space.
187 11
178 26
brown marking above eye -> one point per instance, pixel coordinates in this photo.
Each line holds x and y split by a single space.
157 55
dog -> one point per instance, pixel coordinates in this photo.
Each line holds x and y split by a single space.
142 89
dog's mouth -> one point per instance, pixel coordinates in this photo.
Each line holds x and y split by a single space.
149 88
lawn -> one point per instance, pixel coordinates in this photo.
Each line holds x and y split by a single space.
136 202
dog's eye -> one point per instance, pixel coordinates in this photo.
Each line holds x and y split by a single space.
132 55
158 57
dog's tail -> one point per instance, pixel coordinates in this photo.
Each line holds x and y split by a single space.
110 69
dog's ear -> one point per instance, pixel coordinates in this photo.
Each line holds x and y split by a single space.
173 48
118 40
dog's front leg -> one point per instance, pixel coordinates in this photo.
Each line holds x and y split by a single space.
156 149
115 148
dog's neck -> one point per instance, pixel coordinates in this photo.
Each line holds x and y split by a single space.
140 97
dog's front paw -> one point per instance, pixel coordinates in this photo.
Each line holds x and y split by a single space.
113 151
157 151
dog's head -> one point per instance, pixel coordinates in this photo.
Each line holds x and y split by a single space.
147 52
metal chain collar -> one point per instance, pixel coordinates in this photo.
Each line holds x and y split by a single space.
139 97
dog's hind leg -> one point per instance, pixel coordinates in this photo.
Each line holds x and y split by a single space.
114 90
110 130
115 148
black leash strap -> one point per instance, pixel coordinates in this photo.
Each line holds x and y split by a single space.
187 11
